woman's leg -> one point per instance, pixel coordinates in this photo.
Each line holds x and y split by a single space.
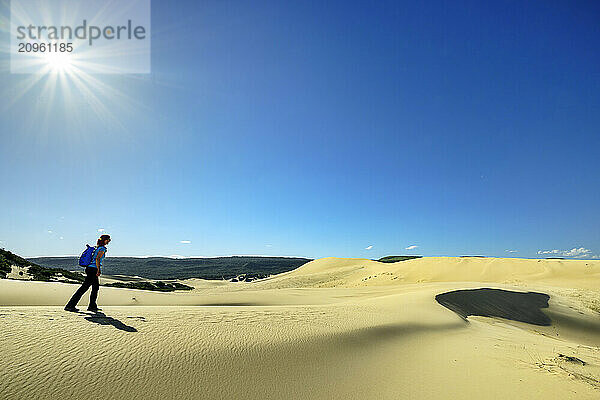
80 292
94 294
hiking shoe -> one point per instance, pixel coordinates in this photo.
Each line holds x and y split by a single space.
72 309
94 309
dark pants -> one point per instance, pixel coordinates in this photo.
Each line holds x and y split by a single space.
90 280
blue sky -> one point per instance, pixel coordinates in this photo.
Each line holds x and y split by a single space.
320 129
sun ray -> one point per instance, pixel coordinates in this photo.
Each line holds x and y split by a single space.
84 83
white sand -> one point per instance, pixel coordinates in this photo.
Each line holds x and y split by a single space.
332 329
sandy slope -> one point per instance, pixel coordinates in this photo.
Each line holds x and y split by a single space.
332 329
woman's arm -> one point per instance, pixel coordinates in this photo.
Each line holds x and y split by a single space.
98 258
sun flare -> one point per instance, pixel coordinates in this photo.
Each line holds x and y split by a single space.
58 62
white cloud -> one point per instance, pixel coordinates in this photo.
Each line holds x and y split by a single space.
548 251
50 232
369 247
185 241
61 238
581 252
510 251
411 247
100 229
268 245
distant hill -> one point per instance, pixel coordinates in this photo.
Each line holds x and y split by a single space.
34 271
175 268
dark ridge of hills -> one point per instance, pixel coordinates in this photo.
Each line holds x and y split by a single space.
183 268
32 271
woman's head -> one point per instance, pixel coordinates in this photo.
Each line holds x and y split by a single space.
104 240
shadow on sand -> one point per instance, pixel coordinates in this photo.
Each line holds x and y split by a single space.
485 302
103 319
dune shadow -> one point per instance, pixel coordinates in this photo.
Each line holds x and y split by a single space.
486 302
380 333
103 319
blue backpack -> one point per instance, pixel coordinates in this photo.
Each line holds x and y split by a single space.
87 256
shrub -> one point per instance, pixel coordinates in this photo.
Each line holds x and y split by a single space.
5 267
155 286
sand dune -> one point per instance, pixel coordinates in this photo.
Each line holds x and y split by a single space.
345 272
331 329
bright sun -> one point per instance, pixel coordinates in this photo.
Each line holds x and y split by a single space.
58 62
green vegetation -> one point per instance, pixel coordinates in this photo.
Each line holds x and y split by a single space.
248 277
40 273
14 259
5 267
8 259
393 259
171 268
37 272
236 268
156 286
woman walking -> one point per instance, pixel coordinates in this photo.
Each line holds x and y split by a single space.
92 272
